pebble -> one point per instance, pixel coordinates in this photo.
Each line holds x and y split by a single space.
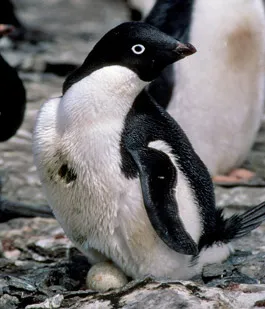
8 302
12 255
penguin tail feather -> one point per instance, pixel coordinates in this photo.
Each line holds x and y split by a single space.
239 225
228 229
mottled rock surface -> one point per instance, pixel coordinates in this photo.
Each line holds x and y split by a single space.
39 267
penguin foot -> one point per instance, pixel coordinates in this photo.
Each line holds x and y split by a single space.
236 175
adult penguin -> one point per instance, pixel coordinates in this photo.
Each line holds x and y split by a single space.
118 171
217 96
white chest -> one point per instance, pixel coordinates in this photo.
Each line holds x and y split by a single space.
219 95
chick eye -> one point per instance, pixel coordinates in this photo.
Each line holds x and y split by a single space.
138 49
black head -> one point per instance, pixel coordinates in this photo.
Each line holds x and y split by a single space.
138 46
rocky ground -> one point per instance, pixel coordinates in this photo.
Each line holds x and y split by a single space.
38 264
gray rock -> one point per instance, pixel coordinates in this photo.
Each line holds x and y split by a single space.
164 295
239 197
8 302
52 247
20 284
50 303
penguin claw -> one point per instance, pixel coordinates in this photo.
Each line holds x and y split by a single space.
235 176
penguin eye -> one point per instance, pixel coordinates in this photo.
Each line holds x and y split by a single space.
138 49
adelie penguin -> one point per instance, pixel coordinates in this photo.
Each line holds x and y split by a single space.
217 96
118 171
13 96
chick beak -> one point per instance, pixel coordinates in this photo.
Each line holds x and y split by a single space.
185 50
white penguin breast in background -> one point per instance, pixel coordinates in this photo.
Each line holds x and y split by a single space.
219 96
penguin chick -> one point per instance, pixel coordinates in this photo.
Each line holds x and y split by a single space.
118 171
12 108
217 95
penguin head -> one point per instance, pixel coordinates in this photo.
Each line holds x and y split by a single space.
138 46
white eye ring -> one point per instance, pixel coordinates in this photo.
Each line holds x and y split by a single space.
138 49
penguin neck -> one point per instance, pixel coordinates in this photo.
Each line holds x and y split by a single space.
109 91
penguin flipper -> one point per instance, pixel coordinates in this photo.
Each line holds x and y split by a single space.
158 178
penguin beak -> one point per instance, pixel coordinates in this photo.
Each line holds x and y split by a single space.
185 50
6 29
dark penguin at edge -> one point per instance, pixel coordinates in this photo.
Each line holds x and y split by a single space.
13 93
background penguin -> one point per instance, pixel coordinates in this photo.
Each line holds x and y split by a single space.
120 174
12 110
13 102
218 95
20 32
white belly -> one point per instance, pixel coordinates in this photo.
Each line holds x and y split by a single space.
102 211
219 96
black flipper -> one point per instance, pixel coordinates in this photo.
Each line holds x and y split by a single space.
158 178
234 227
